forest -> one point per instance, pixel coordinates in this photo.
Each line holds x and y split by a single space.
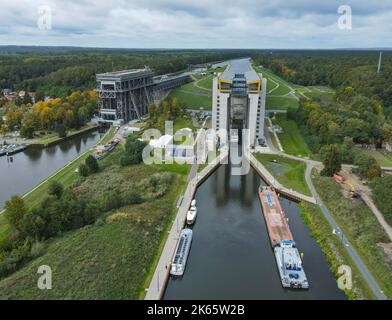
57 73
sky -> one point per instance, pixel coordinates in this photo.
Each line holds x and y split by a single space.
278 24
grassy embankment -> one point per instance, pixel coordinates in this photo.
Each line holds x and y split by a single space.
193 97
54 137
66 176
334 250
361 229
290 173
291 138
114 258
278 91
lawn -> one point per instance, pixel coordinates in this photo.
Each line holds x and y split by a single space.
361 228
193 100
383 160
114 258
206 83
280 103
290 173
291 138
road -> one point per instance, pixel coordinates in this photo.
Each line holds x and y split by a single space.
351 251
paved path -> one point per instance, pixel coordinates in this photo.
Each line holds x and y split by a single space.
270 179
161 275
310 165
351 251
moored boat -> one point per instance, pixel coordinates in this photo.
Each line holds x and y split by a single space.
181 253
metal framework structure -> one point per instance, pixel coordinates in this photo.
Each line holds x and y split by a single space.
125 95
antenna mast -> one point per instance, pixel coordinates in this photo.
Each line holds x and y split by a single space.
379 63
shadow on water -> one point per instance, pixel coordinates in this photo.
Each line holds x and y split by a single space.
231 257
32 166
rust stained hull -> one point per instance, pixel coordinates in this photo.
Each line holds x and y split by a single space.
275 219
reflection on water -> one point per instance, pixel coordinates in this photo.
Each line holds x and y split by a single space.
231 256
32 166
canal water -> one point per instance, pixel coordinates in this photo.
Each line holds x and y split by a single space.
32 166
231 256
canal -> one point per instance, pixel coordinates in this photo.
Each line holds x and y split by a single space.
32 166
231 256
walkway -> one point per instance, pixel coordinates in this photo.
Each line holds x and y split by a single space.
351 251
162 271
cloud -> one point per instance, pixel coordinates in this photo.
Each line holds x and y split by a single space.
197 24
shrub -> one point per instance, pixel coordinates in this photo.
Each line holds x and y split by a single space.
92 164
55 189
83 170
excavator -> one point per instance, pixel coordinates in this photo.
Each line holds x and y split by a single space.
342 180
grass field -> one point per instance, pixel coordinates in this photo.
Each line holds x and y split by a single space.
115 257
192 100
280 103
291 139
334 250
360 227
383 160
290 173
206 83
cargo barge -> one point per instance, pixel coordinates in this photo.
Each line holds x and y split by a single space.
181 253
287 257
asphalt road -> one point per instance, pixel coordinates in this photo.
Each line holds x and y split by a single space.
351 251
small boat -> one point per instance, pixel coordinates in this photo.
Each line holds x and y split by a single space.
191 215
193 203
181 254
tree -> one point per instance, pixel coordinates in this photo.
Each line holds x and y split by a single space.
55 189
92 164
61 130
133 151
382 196
15 210
363 162
374 171
332 160
83 170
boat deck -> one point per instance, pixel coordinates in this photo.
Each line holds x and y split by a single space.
278 228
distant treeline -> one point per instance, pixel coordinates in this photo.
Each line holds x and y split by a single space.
59 71
337 69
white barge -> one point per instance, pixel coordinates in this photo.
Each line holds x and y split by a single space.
181 253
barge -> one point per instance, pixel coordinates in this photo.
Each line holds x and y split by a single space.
181 253
287 257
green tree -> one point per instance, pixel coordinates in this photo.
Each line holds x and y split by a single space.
55 189
15 210
133 151
92 164
332 160
61 130
83 170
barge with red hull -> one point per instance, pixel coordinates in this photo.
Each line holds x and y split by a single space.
287 257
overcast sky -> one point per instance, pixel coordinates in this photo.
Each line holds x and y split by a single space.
196 23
